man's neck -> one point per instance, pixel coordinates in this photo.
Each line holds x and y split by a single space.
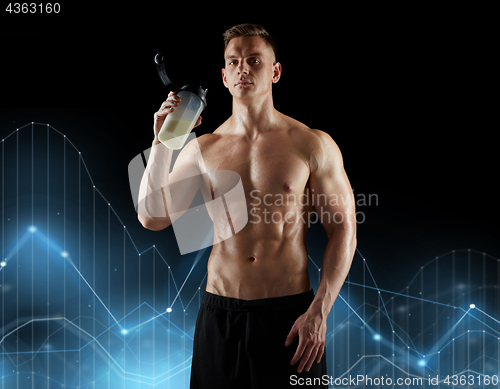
252 118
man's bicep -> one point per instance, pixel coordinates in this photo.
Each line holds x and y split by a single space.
334 199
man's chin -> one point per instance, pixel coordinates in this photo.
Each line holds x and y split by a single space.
243 93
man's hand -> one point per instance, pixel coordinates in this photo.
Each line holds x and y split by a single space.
167 107
311 329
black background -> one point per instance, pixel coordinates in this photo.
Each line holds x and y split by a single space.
407 94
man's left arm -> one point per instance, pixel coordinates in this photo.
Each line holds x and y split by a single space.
335 206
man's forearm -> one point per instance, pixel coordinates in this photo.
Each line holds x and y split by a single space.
154 193
337 261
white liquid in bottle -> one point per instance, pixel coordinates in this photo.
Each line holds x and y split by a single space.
174 133
179 123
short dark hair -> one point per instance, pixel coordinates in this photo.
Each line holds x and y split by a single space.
249 29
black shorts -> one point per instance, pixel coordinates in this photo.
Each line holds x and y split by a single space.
240 344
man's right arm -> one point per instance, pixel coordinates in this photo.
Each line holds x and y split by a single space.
164 196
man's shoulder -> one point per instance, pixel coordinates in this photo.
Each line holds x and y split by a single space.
309 138
208 140
317 146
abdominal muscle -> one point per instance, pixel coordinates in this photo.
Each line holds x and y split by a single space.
263 260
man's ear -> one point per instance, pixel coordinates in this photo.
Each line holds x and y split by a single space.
277 72
224 81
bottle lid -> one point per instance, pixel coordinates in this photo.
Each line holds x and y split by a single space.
197 90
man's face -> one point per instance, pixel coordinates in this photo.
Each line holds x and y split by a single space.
250 67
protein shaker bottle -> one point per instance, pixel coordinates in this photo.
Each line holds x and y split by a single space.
178 124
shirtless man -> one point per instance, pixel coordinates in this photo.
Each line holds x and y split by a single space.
259 322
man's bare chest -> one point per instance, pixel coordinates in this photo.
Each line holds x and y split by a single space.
270 168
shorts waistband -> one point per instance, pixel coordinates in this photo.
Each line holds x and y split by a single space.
234 304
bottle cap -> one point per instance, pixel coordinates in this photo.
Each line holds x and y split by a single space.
198 90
